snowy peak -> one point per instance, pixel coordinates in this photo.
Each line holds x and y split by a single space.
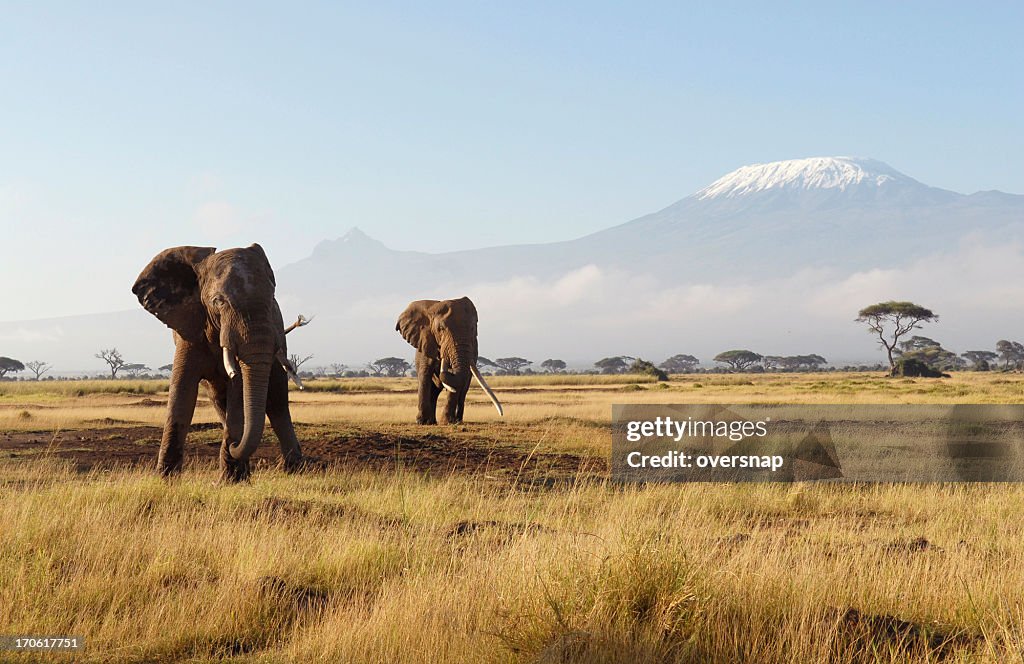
837 173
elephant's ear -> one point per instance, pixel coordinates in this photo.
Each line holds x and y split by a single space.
258 250
468 307
414 326
169 289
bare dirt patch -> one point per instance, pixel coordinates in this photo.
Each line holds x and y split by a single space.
426 451
870 631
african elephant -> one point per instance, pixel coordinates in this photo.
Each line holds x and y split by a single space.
229 335
444 335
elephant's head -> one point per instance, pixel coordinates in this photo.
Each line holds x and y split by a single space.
224 301
446 330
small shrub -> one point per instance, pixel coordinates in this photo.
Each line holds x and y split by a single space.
645 368
912 367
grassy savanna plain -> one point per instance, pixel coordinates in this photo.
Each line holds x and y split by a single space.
499 540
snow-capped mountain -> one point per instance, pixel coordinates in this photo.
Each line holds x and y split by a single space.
839 173
759 220
840 212
713 257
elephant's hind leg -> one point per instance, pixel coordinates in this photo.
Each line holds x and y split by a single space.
281 419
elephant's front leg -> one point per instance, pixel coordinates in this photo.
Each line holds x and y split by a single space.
455 406
181 406
226 396
428 391
281 419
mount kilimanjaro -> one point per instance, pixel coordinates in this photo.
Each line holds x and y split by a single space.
763 220
721 267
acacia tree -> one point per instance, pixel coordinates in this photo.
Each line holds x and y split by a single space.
10 365
38 367
1011 353
892 320
680 364
738 359
553 366
511 365
133 370
930 352
482 363
614 365
917 342
393 367
793 362
113 358
981 359
297 360
809 362
337 368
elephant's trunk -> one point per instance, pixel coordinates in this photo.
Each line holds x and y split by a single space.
456 361
255 381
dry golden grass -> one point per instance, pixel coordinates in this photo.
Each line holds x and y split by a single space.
74 404
352 565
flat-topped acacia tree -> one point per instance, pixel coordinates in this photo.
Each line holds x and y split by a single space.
901 317
738 360
10 365
512 365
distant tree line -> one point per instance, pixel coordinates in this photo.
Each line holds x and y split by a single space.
891 322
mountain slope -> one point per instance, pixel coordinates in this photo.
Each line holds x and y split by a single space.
759 221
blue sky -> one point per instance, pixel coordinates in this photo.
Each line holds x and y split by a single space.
136 126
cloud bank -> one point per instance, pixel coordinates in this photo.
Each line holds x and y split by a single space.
592 312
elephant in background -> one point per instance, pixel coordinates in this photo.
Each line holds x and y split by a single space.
443 332
228 335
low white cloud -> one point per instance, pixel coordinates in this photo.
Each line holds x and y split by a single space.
27 335
592 311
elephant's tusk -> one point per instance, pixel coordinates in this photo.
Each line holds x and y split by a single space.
290 370
230 363
487 389
441 377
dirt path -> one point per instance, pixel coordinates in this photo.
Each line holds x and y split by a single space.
434 451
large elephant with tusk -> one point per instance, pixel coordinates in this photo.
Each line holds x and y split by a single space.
443 332
230 336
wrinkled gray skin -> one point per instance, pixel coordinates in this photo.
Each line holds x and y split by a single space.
215 300
441 329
